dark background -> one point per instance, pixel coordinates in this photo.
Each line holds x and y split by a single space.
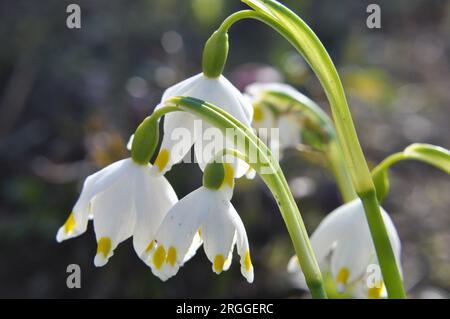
69 99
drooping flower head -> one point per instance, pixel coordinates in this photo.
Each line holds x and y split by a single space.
298 118
343 245
208 214
218 91
124 199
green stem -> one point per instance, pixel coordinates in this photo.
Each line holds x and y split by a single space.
298 33
237 16
386 256
389 161
273 177
277 184
433 155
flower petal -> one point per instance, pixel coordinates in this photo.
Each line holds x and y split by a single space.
94 184
242 245
114 218
153 197
179 135
289 130
176 234
355 250
218 232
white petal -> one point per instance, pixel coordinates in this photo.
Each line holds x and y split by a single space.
218 91
242 245
130 142
153 197
250 174
196 243
93 185
326 236
114 218
355 250
177 231
222 93
218 232
296 275
179 135
289 130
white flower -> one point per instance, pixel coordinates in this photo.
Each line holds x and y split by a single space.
124 200
218 91
209 213
270 115
343 245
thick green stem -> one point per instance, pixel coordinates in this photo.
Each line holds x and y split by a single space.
297 231
380 237
277 184
298 33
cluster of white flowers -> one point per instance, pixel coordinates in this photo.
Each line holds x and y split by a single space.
131 199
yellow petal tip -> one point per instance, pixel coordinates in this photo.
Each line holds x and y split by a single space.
69 225
228 178
162 159
104 246
247 261
171 256
159 257
219 261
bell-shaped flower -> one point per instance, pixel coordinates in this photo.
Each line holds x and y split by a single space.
344 247
268 115
208 212
124 199
182 130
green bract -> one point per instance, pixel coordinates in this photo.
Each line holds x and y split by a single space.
214 175
215 54
145 140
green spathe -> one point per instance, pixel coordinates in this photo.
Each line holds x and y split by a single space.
215 54
214 175
145 141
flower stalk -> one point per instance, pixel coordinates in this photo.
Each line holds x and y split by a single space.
433 155
298 33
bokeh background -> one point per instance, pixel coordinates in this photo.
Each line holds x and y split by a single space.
69 99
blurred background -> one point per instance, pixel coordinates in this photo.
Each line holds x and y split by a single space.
70 98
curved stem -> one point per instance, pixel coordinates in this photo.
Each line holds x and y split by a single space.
389 161
433 155
268 168
277 184
237 16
